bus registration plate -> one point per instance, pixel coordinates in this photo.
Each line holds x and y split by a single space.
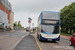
49 39
50 35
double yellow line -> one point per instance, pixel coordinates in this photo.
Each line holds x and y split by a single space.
38 43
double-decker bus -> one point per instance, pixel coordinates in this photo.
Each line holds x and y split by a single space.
49 26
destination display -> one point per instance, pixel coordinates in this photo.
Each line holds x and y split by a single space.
44 21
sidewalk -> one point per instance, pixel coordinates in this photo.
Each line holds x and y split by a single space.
66 36
27 43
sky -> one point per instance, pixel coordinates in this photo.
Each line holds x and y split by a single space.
32 8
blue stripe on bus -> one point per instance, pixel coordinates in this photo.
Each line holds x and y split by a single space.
48 33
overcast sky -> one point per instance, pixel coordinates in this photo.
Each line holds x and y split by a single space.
31 8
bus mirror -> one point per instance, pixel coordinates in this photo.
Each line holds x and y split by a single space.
60 28
39 27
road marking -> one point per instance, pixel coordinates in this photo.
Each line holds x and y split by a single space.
6 35
38 43
3 36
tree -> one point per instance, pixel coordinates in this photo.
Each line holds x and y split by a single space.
15 24
68 17
19 24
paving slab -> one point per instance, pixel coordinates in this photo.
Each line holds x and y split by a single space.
27 43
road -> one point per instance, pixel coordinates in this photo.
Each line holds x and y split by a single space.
9 39
63 44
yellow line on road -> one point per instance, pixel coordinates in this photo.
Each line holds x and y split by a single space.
38 43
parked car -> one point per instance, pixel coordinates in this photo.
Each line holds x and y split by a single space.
2 26
72 39
27 29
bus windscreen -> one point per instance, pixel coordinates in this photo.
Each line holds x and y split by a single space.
50 28
50 15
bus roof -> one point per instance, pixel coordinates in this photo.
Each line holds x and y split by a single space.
50 11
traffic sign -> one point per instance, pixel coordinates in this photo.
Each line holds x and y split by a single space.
29 21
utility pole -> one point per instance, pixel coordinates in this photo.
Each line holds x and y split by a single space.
29 21
33 25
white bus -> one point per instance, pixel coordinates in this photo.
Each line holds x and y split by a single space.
49 26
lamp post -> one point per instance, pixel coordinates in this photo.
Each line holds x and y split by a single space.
33 25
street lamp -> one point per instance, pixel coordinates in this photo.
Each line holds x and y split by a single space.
29 18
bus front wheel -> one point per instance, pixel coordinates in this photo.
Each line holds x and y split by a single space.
39 38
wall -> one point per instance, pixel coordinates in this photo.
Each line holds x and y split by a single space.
6 11
3 17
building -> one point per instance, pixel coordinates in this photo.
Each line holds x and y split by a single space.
11 19
6 13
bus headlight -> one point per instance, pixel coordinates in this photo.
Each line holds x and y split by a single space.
43 35
56 35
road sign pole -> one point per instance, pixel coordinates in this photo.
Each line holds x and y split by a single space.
29 25
33 25
30 28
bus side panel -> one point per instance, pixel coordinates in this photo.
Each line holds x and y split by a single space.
42 38
41 18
